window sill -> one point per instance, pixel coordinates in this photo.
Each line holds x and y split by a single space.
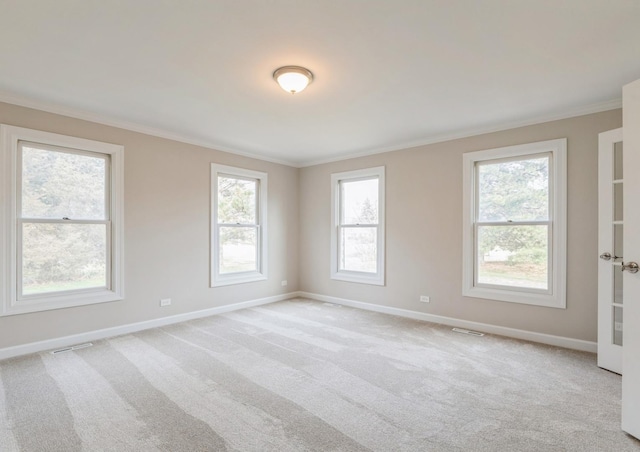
359 277
61 301
515 296
238 279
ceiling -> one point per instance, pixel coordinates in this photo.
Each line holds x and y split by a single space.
389 74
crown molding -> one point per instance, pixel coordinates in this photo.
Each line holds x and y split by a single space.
27 102
566 114
77 113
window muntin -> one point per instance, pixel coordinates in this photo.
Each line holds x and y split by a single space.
358 232
514 245
238 237
61 222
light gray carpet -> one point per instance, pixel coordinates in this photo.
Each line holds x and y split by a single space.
302 375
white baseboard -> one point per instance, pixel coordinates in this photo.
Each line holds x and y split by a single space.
549 339
65 341
50 344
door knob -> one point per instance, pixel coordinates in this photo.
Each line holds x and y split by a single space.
631 267
606 256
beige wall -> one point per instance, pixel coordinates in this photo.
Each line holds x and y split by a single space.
166 232
424 230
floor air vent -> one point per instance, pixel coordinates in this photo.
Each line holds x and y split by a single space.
72 348
463 331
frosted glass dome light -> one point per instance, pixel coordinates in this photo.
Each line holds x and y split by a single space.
293 79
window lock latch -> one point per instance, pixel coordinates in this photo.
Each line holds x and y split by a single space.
65 218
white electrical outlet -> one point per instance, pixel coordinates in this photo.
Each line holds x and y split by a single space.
424 299
618 326
284 283
165 302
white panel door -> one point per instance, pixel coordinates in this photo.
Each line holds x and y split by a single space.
610 246
631 281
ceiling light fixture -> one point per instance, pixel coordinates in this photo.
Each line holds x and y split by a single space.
293 79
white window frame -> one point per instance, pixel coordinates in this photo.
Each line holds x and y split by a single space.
555 296
11 302
218 279
377 278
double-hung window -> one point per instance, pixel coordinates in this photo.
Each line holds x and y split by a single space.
64 228
238 233
515 224
357 238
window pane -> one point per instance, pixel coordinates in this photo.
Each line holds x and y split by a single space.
359 249
618 241
617 325
514 256
238 249
617 160
618 288
58 184
236 200
359 202
514 190
58 257
618 194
